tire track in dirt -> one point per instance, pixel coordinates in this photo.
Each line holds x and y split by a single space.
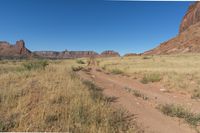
151 119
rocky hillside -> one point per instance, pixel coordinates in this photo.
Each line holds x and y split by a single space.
17 50
188 39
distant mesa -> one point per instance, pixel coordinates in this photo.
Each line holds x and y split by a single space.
75 54
188 39
19 50
65 54
110 53
131 54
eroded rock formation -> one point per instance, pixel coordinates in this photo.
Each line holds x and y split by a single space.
17 50
191 17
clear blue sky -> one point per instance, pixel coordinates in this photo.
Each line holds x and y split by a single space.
90 24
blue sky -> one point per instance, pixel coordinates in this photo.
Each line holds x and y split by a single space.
124 26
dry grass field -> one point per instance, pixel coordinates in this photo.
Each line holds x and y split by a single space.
174 72
48 96
38 95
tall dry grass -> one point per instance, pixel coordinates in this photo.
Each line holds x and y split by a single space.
53 99
175 72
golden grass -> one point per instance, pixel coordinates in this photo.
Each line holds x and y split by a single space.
53 99
177 72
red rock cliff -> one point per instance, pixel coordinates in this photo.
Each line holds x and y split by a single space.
191 17
17 50
188 39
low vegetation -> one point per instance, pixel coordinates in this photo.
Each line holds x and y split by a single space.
180 112
151 78
53 98
33 65
79 61
136 93
146 57
116 71
76 68
196 94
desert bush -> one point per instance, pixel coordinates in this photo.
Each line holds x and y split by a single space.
2 128
146 57
51 118
151 78
196 94
35 65
76 68
98 62
180 112
80 61
136 93
116 71
95 91
104 67
6 125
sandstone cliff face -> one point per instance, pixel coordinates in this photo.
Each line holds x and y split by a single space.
188 40
109 53
17 50
191 17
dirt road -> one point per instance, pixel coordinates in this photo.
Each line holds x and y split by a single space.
151 119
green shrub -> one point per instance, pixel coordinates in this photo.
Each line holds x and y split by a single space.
51 118
104 67
95 91
80 62
136 93
146 57
151 78
35 65
180 112
173 110
1 127
6 125
116 71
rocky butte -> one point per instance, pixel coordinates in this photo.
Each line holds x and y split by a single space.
188 39
18 50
